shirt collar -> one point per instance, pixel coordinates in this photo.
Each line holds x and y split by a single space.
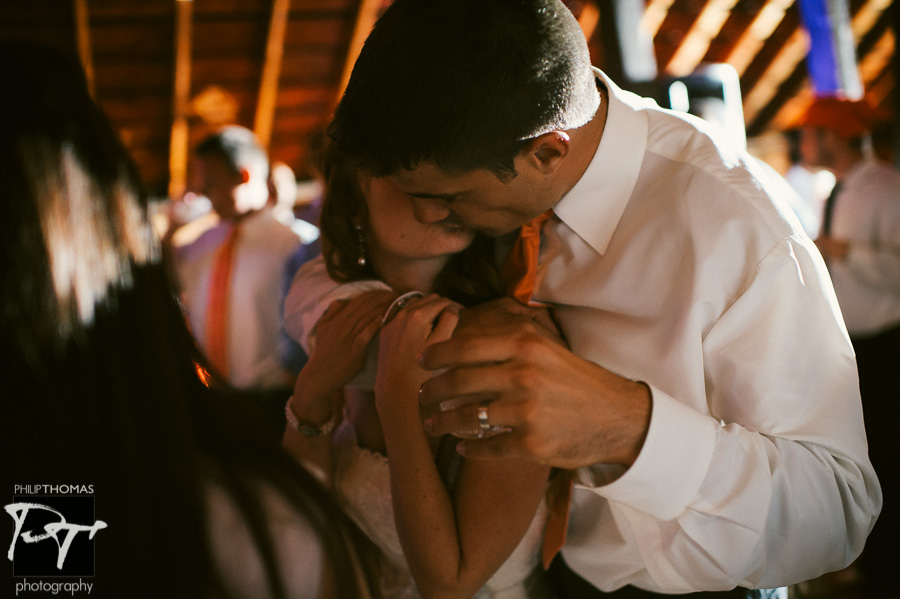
593 207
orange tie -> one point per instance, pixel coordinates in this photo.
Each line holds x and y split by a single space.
217 306
519 276
519 272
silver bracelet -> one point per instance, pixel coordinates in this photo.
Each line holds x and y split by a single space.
399 304
308 429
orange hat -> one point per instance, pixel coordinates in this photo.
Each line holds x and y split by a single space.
847 118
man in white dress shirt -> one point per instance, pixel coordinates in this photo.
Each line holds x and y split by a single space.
860 241
708 402
232 170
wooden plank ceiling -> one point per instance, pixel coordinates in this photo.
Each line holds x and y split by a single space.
167 72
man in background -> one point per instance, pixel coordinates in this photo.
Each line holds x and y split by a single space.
232 276
860 241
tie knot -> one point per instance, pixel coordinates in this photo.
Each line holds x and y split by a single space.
519 272
536 224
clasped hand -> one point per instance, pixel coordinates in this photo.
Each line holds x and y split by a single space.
565 411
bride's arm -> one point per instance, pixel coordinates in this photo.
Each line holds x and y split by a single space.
453 544
342 337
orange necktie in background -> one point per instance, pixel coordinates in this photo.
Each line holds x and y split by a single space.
519 276
218 304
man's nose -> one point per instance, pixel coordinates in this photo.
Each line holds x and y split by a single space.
430 211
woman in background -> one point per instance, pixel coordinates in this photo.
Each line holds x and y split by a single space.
100 377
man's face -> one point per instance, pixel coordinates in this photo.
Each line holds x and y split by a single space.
475 199
211 177
816 147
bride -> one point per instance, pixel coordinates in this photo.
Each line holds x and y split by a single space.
447 526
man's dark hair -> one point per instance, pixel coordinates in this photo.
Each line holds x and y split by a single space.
464 84
238 147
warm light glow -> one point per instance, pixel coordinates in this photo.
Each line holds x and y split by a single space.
867 15
654 15
695 44
753 38
588 19
870 68
875 64
781 67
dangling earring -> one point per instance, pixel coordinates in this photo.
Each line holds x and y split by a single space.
361 261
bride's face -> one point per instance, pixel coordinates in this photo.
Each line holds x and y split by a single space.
396 232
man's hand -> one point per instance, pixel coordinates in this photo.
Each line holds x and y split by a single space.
564 411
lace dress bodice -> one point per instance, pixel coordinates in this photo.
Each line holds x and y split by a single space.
362 484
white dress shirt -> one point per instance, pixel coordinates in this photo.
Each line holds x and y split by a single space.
676 261
257 289
867 215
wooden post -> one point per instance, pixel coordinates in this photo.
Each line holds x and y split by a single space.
365 20
268 85
83 37
178 144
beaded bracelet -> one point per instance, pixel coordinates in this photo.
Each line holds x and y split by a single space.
308 429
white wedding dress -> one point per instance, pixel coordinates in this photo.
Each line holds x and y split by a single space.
362 485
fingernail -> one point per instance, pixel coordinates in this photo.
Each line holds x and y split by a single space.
461 448
429 425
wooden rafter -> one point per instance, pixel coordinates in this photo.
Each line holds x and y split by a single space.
366 16
677 22
695 44
788 93
754 37
589 18
178 142
654 15
268 85
83 36
780 68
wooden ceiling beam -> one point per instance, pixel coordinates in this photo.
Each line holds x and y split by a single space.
875 65
695 44
589 18
654 15
678 20
755 36
181 97
366 16
83 39
782 67
268 85
781 97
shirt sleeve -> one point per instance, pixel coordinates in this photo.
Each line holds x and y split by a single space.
773 485
310 293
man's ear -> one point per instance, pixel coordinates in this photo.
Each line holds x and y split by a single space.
547 151
245 175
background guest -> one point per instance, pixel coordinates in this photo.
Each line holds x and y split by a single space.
860 241
93 342
232 276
